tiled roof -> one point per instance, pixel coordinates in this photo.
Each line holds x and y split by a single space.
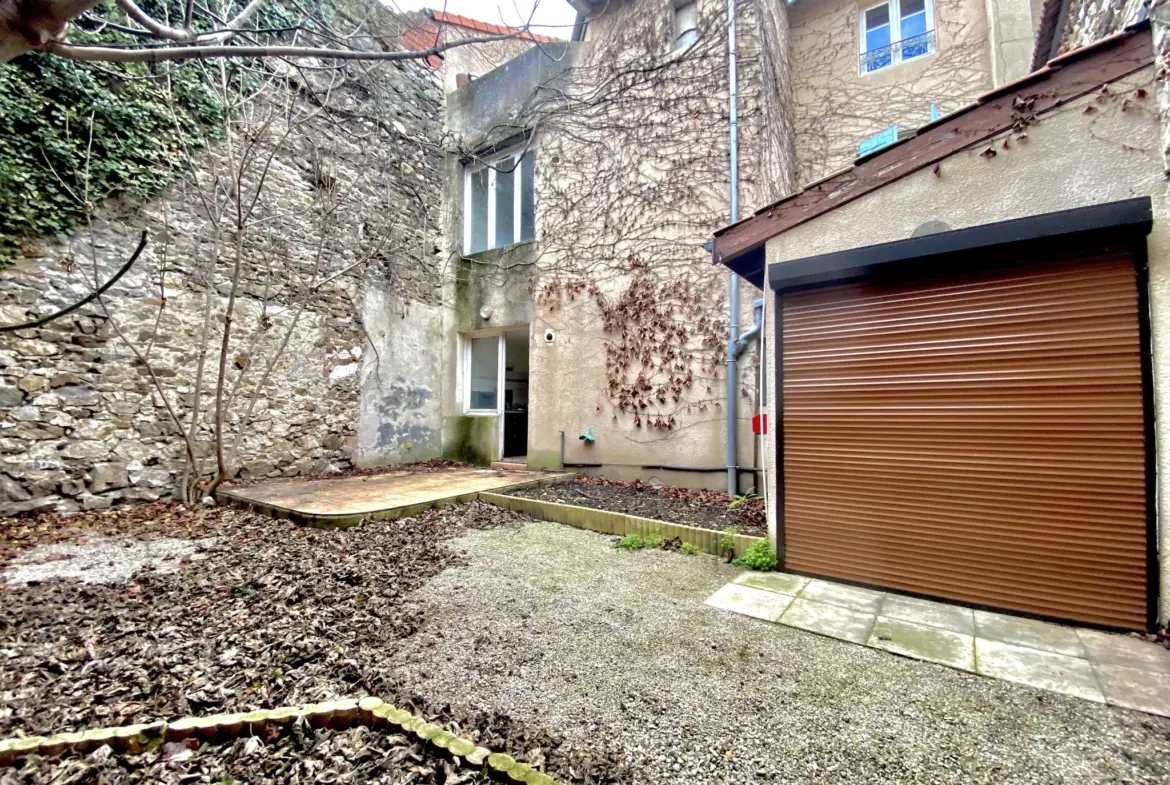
423 36
455 20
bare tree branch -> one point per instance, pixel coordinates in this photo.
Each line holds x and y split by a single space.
153 25
106 54
88 298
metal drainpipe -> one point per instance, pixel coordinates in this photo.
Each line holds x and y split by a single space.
733 279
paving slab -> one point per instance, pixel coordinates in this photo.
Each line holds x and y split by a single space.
1107 649
1034 668
757 603
345 498
831 620
1132 688
864 600
1028 632
779 582
924 643
931 614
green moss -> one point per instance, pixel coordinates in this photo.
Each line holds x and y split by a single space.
470 439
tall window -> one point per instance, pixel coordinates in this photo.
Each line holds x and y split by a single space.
895 32
686 23
499 208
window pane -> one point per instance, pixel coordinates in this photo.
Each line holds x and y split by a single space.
479 211
912 7
484 381
527 198
686 39
877 38
686 18
876 17
915 41
505 202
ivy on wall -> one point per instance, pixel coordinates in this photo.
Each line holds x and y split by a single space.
77 132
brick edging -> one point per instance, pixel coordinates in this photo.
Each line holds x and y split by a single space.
606 522
370 712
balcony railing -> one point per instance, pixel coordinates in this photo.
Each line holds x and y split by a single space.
898 52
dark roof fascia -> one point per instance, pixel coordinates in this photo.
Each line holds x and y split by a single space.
1130 216
1080 73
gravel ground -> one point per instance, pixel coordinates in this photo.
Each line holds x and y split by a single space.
708 509
551 623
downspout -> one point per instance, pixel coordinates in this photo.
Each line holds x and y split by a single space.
733 279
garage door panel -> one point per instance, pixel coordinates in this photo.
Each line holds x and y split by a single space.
977 437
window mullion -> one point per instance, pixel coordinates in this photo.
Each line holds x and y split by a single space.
896 31
491 200
517 195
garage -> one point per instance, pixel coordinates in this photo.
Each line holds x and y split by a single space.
977 434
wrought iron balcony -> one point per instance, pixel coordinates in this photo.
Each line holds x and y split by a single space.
898 52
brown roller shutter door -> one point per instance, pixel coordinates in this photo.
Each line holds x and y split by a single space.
976 437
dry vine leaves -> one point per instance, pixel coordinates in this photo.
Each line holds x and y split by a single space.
708 509
275 615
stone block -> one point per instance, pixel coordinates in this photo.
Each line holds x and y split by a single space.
1028 632
32 383
745 600
64 379
779 582
933 614
92 502
10 397
1132 688
920 642
844 596
830 620
86 450
108 476
1034 668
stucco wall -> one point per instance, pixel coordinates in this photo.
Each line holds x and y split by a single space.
1070 159
631 179
837 107
477 59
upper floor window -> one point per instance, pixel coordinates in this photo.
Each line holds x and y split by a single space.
499 208
686 23
894 32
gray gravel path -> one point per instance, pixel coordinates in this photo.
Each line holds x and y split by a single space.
551 624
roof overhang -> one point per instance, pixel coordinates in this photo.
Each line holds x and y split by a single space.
1065 79
1127 218
589 7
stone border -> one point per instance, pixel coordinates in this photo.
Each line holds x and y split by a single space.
370 712
606 522
345 521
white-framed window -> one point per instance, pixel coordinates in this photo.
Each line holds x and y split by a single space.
483 374
895 32
499 207
686 23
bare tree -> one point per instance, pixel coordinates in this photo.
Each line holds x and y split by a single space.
202 33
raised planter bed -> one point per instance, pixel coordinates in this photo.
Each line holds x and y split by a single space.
620 524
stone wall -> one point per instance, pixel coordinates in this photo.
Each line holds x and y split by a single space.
337 265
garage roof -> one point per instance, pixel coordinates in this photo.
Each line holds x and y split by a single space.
740 246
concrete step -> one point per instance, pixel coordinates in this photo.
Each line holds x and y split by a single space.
510 467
